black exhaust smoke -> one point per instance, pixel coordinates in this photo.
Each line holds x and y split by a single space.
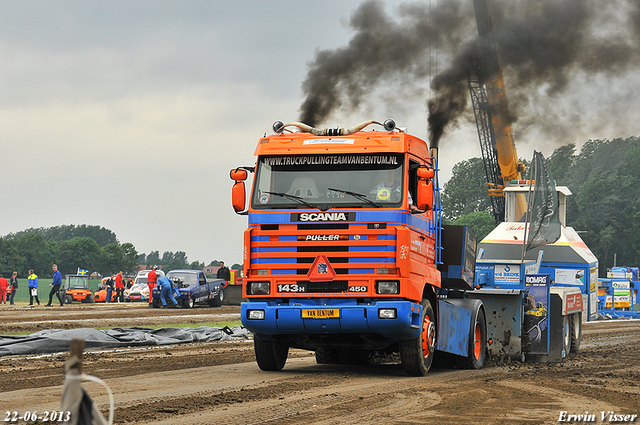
542 45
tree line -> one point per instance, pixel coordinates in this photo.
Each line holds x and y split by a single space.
604 178
92 248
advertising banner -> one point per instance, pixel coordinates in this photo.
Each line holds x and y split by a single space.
536 313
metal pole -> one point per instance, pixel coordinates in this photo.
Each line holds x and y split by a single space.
527 222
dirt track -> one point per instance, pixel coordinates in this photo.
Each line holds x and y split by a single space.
208 383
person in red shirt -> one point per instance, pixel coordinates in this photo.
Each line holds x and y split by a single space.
119 287
152 278
4 284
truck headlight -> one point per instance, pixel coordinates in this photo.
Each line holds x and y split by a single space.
255 314
259 288
388 287
387 313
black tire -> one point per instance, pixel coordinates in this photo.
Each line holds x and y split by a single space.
477 342
415 361
188 303
326 355
270 355
155 303
217 301
576 332
68 299
566 334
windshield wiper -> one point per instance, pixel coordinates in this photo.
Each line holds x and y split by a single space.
359 196
298 199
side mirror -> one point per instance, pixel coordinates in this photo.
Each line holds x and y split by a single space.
426 173
238 196
239 175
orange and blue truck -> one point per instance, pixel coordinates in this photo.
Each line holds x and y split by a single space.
346 255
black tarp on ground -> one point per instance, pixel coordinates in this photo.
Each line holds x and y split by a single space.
58 340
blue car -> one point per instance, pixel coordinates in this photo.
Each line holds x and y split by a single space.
193 288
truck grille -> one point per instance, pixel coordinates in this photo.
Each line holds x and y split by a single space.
352 249
320 287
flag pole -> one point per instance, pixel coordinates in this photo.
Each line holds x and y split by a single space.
527 222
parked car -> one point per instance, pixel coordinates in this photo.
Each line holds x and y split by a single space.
139 291
100 295
194 288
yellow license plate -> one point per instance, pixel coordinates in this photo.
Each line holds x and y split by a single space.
320 313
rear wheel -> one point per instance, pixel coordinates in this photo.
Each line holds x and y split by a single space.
270 355
566 334
416 354
576 332
217 301
478 343
326 355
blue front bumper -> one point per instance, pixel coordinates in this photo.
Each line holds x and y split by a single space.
282 317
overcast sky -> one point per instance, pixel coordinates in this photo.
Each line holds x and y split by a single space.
130 114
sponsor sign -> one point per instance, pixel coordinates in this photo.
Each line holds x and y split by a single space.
311 160
574 303
505 273
570 276
536 314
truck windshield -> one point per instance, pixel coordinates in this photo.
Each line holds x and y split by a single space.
187 279
329 181
78 282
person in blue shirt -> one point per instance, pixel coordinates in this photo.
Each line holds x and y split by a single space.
166 290
55 286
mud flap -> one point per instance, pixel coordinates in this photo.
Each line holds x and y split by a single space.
504 315
455 319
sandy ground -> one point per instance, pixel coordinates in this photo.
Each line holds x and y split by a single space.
219 382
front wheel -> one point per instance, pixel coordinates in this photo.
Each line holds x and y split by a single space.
68 299
155 303
416 354
270 355
188 303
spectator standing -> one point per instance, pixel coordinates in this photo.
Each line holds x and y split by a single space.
119 287
129 283
166 290
110 285
14 287
33 287
152 278
223 273
55 286
4 285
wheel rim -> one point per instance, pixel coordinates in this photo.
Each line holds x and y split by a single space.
477 344
428 336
